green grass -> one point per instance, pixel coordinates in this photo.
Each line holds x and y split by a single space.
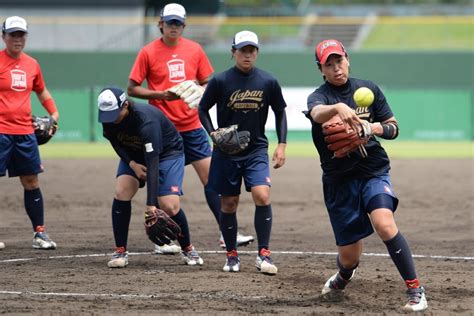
421 37
396 149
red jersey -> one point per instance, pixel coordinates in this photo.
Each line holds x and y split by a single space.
163 67
18 77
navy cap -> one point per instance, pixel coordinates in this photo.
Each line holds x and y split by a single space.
110 103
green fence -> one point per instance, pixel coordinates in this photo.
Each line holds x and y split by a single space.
431 93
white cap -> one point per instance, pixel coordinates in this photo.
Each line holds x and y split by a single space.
110 102
173 11
14 24
245 38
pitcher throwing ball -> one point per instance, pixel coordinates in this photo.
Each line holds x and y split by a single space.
357 189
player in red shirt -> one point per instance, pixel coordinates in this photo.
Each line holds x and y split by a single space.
164 63
21 74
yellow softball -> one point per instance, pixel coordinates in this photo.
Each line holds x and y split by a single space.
363 97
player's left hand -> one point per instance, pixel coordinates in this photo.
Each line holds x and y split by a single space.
279 156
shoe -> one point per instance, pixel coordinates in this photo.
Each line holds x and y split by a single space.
232 263
2 245
41 240
264 263
242 240
169 249
191 256
119 258
336 283
416 300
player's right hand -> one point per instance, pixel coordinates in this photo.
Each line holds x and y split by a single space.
139 169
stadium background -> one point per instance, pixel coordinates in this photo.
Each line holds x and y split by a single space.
419 52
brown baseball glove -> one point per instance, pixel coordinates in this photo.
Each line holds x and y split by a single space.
160 228
342 143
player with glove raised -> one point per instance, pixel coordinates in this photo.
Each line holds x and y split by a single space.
357 188
151 151
176 70
243 95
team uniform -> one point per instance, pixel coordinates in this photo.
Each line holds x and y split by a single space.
354 186
18 147
369 176
147 137
244 99
19 154
163 67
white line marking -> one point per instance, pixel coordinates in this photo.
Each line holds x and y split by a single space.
308 253
139 296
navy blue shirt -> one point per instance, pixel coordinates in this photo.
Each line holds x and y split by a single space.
353 165
243 99
145 136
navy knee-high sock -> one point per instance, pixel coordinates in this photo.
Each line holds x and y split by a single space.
121 214
228 225
214 201
34 207
184 239
400 253
263 225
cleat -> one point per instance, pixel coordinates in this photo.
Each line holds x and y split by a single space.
336 283
167 249
2 245
416 300
232 263
119 258
41 240
242 240
191 256
264 263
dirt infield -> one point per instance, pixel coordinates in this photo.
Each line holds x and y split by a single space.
435 214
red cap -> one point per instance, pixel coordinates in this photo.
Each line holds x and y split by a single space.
327 48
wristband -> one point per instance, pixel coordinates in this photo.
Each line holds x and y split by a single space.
49 105
389 130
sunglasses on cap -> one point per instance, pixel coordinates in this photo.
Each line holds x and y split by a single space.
174 22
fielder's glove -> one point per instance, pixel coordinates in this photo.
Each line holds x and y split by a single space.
190 92
45 127
229 140
342 143
160 228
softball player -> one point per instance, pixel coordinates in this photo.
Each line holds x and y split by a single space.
164 63
151 150
20 74
243 95
357 191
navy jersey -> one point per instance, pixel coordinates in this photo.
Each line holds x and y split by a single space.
145 136
244 99
353 165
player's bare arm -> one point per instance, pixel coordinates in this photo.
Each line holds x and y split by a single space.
44 96
322 113
136 90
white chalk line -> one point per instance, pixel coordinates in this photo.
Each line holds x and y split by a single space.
137 296
180 296
306 253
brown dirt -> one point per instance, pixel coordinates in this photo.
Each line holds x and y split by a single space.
435 214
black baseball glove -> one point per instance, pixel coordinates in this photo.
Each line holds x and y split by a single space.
160 228
45 128
231 141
